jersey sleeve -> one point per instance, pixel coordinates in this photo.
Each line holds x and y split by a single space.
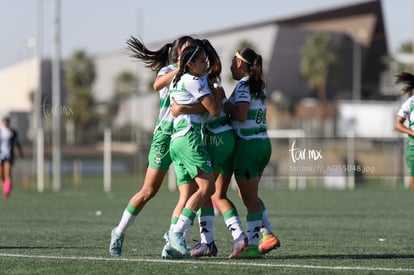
198 87
242 93
165 70
405 111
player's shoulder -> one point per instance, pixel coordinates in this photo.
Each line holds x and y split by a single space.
165 70
409 101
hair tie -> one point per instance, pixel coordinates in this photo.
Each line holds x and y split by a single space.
193 54
242 58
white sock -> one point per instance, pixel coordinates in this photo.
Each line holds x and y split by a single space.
253 230
126 220
182 224
206 224
266 226
234 226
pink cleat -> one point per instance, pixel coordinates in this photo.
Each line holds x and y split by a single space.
239 245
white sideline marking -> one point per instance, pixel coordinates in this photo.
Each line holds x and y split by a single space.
236 262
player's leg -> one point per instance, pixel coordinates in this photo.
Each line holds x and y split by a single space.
230 214
1 172
251 157
159 161
412 183
249 195
268 241
7 183
206 246
185 191
191 158
152 183
205 184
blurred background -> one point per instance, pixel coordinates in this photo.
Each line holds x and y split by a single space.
84 108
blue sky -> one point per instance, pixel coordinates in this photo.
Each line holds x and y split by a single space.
100 26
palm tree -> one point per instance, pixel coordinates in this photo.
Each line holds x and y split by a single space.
319 58
80 71
125 85
80 75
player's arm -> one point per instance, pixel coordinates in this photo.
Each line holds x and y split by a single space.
399 126
163 80
212 104
177 109
238 111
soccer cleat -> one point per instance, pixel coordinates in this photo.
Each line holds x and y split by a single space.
239 245
177 242
204 249
251 252
167 252
6 189
268 242
115 247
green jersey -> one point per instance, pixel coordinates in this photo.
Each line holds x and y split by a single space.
255 126
164 121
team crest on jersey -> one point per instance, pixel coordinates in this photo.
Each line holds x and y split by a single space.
157 160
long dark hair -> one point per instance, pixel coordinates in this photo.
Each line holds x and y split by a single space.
408 80
192 51
159 58
254 65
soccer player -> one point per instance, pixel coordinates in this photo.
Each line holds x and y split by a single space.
219 140
247 109
406 113
159 158
8 141
189 155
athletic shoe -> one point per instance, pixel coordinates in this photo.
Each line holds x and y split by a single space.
6 189
239 245
167 252
115 247
268 242
204 249
251 252
177 242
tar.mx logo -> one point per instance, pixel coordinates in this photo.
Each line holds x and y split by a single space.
297 153
50 110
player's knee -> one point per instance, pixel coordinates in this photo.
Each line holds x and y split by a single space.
148 193
211 189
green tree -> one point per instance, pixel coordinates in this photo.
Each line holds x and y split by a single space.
319 59
79 77
406 47
125 85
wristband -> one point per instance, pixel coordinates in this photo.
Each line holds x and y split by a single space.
216 85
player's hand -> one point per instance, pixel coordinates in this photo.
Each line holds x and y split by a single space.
175 108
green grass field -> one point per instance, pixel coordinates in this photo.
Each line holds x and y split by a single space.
366 231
